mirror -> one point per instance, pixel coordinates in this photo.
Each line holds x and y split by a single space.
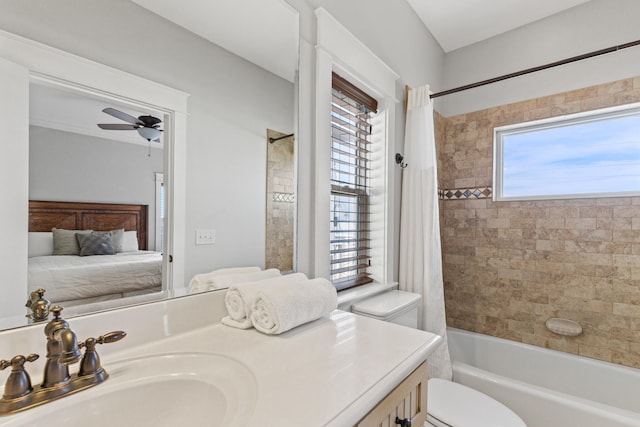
232 102
84 177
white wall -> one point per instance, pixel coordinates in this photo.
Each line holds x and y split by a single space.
65 166
394 33
232 103
595 25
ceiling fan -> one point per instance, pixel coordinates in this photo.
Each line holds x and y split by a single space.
147 126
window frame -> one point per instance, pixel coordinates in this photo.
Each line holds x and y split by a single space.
554 122
359 167
337 50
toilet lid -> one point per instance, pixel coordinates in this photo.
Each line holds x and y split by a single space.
460 406
386 304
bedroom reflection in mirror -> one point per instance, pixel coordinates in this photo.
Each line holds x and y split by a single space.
96 200
86 253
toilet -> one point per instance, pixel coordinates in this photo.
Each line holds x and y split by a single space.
393 306
449 404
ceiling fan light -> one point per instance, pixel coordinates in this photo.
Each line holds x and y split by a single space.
149 133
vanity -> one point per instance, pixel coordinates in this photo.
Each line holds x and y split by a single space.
181 365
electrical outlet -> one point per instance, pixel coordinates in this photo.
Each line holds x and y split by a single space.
205 237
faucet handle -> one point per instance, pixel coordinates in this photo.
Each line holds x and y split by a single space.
18 361
111 337
90 343
19 383
91 364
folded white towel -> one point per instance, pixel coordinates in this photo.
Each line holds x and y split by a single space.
283 306
240 296
224 277
225 281
203 278
235 270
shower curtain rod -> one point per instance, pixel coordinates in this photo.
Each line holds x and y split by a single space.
534 69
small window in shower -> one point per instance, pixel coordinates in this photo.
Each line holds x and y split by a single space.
592 154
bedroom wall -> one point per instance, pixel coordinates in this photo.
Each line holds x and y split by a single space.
232 103
79 168
594 25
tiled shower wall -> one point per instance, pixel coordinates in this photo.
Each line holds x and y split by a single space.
510 266
280 203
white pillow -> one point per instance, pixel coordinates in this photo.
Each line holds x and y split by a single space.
40 243
130 241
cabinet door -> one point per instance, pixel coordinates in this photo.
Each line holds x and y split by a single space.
407 400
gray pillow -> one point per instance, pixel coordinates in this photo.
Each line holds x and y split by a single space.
117 236
65 241
95 244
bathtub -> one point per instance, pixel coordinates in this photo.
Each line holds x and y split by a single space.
547 388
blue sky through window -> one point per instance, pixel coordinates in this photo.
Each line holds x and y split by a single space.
576 158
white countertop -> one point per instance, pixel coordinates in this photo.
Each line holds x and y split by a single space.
329 372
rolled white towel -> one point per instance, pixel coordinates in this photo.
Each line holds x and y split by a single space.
279 308
240 324
240 296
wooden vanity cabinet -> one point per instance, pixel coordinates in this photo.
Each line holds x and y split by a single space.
407 400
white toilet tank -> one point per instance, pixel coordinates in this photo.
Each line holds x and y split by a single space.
395 306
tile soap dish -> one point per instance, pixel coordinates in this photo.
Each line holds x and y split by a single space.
564 327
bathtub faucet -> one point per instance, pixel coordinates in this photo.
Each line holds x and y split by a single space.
63 350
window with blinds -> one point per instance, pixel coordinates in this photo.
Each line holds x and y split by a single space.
351 115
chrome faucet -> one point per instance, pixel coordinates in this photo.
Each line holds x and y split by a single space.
63 350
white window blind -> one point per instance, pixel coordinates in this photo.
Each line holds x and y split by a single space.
350 231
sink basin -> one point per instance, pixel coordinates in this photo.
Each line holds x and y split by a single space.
161 390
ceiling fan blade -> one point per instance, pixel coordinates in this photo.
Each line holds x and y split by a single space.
150 121
122 116
117 126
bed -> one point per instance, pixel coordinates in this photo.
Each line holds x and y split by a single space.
70 278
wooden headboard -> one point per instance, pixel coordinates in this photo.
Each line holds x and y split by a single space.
43 216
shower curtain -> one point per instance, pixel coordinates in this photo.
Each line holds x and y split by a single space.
420 248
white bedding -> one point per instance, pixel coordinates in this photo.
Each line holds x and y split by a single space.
71 277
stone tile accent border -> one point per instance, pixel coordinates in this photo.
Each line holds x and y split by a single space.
466 193
283 197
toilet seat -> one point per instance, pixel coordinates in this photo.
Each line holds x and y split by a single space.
451 404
